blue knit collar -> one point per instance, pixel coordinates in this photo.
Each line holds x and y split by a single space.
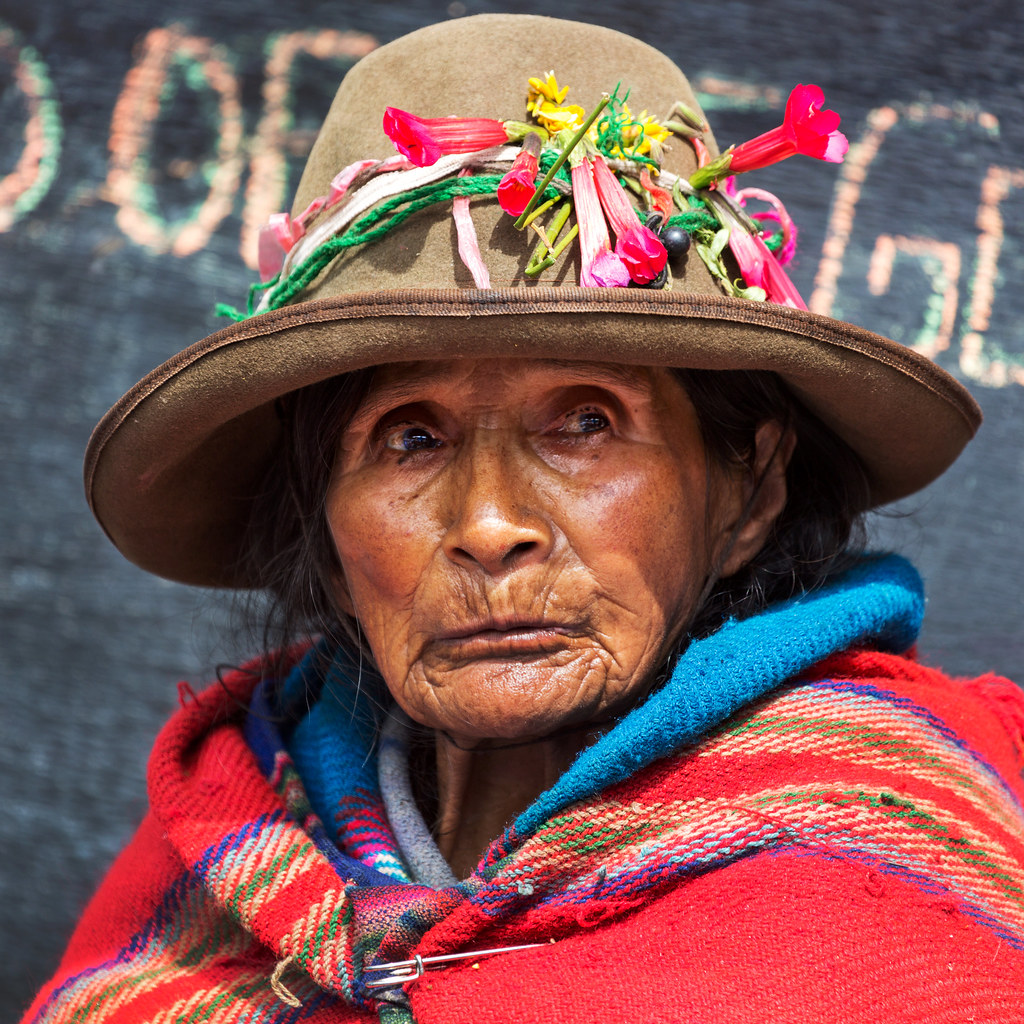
879 603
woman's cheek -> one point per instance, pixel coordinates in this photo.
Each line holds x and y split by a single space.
385 548
642 536
632 508
370 529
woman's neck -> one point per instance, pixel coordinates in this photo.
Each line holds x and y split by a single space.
481 791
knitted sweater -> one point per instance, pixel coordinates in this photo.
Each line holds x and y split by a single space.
799 826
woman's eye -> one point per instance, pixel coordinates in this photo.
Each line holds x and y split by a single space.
585 421
410 439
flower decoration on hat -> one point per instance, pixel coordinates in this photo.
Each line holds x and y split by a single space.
423 140
806 129
545 101
601 267
566 174
761 271
517 187
636 244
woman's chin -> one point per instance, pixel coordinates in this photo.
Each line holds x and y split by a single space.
491 704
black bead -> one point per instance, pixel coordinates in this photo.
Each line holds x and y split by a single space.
676 242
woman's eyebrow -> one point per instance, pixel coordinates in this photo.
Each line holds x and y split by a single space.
390 394
630 378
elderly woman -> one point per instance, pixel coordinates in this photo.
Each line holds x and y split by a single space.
584 703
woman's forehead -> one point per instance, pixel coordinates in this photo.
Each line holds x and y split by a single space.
398 382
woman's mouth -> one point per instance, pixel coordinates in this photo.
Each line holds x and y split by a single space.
518 641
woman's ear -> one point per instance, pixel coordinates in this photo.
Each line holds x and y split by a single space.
763 497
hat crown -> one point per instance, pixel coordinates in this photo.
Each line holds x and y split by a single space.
480 67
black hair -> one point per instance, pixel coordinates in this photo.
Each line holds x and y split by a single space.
820 531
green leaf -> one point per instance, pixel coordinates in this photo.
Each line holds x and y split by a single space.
720 242
713 263
753 293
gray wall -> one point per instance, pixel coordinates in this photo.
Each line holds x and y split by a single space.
93 297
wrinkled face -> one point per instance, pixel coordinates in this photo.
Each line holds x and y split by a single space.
519 539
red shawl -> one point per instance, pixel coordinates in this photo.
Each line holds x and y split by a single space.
849 849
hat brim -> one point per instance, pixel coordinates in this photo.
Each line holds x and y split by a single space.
171 470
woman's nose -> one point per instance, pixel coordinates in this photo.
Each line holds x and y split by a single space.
497 523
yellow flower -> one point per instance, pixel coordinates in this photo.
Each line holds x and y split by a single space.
641 135
556 119
545 89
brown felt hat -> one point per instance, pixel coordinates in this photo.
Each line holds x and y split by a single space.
171 470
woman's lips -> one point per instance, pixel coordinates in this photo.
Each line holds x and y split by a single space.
520 641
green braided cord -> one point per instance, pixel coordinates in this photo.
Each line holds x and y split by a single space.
693 221
372 225
223 309
547 158
256 287
378 222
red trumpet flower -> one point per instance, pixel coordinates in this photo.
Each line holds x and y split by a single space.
424 140
638 246
517 187
806 129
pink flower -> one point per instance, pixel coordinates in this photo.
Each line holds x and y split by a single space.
776 282
638 246
601 268
760 269
643 253
517 187
778 215
806 129
424 140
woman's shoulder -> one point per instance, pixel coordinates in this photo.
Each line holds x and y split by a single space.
983 715
226 698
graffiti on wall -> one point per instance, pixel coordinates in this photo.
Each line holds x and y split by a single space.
35 167
961 276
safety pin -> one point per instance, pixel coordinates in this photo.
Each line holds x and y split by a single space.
410 970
